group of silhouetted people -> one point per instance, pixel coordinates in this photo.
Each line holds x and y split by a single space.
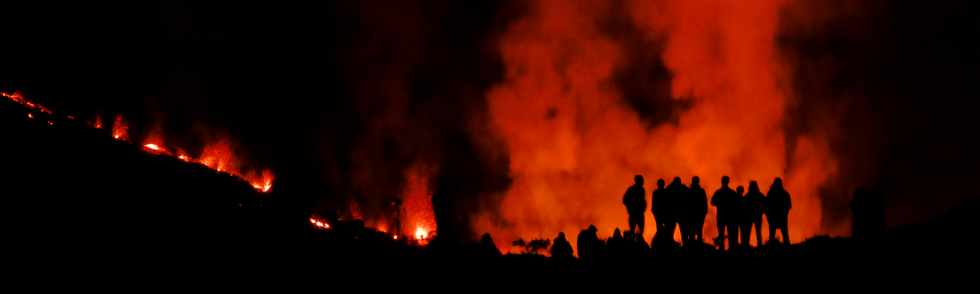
677 205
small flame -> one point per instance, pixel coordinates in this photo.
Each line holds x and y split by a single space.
421 234
319 224
98 122
153 147
30 116
120 131
263 182
50 123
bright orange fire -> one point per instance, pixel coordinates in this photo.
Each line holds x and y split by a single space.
154 147
421 233
261 181
217 155
417 217
120 131
319 224
574 143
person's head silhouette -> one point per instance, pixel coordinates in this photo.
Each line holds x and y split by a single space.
753 186
676 181
777 183
660 183
695 181
638 180
740 190
561 236
725 180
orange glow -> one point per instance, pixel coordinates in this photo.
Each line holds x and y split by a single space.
574 143
153 143
153 147
216 155
421 233
417 215
120 131
182 155
19 99
323 225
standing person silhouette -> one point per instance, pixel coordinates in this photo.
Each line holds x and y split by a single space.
636 205
778 204
744 218
726 201
677 192
660 207
756 206
697 209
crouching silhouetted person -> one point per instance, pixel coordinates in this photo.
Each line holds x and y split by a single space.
560 248
588 243
778 204
487 247
636 205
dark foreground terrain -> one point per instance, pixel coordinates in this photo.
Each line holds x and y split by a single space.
74 200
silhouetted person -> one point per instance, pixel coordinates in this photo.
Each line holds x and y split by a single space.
636 205
676 193
725 200
487 246
778 204
868 220
587 243
697 210
560 248
615 244
744 217
756 206
660 207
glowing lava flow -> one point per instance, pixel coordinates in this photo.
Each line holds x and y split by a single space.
153 147
217 155
17 97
